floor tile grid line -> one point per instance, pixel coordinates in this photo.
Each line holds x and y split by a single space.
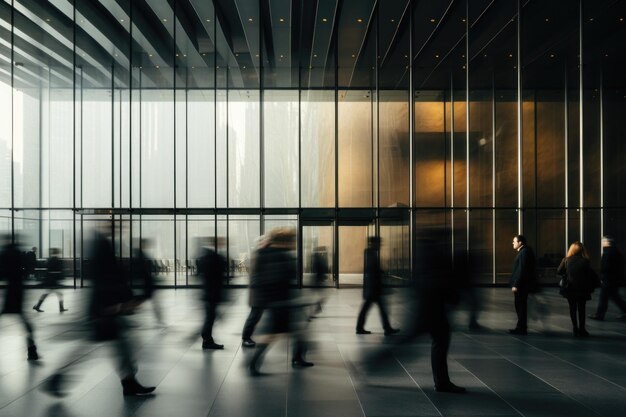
490 389
39 384
562 360
417 384
219 389
347 366
533 374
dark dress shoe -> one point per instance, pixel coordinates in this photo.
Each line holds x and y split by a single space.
32 353
518 332
211 345
301 363
450 387
596 317
248 343
363 331
36 308
583 333
390 331
132 387
53 386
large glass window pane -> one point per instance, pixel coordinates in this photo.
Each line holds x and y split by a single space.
317 255
280 140
157 148
243 148
97 147
355 166
201 148
200 231
318 148
160 230
243 235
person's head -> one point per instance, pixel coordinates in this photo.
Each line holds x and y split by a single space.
55 251
607 241
519 241
34 249
146 243
373 242
577 249
283 237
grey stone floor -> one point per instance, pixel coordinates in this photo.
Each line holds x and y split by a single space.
547 373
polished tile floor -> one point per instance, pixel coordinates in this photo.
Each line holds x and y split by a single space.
547 373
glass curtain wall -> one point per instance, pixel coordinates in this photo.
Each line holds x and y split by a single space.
174 124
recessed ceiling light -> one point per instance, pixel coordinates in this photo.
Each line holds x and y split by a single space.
510 55
353 56
591 19
165 20
150 55
257 55
218 67
249 19
244 67
551 55
203 54
621 19
463 66
177 55
184 55
393 20
547 19
156 66
437 56
433 20
324 20
121 20
281 20
485 56
236 54
463 19
360 20
47 20
314 55
193 67
282 56
606 55
208 20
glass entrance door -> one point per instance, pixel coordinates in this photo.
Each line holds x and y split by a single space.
318 253
352 242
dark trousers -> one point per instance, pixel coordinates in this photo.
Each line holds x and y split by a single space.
253 319
440 332
611 293
521 308
574 307
209 319
365 308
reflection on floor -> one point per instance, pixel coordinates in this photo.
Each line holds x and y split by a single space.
547 373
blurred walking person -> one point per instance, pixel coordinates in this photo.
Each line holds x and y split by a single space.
373 288
142 273
578 282
111 298
256 310
275 269
54 274
12 270
611 279
211 267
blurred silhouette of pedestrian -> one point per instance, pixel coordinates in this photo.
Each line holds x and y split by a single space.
211 267
111 297
435 288
319 267
373 288
54 274
523 282
275 269
12 270
30 261
463 274
578 282
256 310
611 279
141 271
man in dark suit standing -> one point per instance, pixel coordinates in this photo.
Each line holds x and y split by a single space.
611 278
523 281
373 288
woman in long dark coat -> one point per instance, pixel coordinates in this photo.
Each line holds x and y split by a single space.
578 281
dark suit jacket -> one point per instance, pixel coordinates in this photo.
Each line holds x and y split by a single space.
212 267
12 270
524 275
372 275
611 271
